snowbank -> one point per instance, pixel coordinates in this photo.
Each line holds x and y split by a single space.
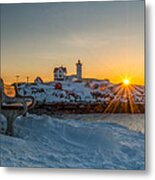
134 122
43 141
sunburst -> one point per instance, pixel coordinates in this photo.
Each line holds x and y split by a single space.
126 82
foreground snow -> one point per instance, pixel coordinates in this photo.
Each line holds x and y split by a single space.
43 141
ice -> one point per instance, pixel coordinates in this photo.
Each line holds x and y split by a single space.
73 142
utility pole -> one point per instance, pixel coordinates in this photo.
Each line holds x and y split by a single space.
17 79
27 79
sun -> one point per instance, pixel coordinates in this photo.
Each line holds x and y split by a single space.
126 82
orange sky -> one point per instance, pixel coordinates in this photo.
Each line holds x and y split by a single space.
108 37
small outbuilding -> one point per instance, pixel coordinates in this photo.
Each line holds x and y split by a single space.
38 80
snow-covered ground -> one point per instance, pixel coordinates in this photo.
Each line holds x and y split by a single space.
89 91
134 122
75 141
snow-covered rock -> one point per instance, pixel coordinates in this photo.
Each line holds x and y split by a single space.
83 91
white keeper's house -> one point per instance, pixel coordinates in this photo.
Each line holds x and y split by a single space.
60 73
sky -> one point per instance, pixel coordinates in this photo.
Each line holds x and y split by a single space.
108 38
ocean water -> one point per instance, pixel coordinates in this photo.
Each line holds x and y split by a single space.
75 141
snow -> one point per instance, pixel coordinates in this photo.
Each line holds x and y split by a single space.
134 122
75 141
90 91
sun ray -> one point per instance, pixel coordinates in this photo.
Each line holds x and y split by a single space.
112 103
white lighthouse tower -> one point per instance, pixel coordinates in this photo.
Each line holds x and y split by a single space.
79 70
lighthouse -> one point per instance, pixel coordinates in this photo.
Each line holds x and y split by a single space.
79 70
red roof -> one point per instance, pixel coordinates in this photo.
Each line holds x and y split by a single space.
63 68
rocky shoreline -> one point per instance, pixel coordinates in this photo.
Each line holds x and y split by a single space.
86 108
